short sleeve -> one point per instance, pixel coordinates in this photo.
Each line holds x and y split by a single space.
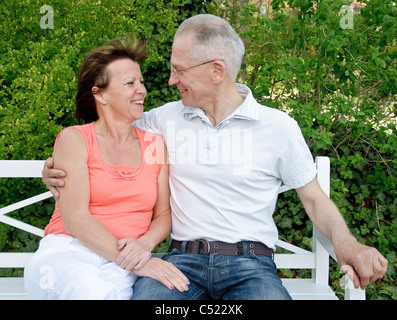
149 122
295 161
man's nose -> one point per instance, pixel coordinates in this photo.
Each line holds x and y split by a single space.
173 80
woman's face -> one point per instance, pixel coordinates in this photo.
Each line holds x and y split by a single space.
125 93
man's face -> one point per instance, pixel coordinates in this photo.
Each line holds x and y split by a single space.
193 84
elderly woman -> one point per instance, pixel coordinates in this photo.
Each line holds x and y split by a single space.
114 207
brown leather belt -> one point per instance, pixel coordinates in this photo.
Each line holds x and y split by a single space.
228 249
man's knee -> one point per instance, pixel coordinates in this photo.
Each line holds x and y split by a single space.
150 289
256 289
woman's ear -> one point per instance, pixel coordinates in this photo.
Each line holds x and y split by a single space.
98 95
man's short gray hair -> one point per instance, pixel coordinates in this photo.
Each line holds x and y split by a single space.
213 38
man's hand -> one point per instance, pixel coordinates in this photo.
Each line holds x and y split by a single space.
361 263
52 178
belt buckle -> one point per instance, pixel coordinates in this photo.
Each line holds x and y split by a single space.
206 246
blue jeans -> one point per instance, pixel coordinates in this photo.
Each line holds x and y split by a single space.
215 277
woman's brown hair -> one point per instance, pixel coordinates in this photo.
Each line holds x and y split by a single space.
93 72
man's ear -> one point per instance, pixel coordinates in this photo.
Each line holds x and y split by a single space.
98 95
219 70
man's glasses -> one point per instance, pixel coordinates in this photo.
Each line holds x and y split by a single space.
178 72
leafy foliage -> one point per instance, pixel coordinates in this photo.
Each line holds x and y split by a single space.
38 75
340 85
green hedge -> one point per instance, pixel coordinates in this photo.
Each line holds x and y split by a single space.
38 75
339 84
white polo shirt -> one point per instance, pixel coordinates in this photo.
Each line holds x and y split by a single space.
224 180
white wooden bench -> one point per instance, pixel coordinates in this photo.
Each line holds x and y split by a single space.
317 260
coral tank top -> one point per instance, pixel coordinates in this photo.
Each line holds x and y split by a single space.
121 198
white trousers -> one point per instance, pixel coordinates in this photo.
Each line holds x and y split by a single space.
63 268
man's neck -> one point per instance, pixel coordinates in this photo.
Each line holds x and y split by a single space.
223 104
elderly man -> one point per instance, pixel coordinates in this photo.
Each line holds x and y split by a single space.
228 157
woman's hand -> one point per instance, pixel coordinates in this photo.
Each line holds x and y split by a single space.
133 255
166 273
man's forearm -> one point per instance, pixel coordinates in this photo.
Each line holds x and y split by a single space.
329 221
324 213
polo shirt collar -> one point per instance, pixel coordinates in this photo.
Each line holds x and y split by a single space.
248 110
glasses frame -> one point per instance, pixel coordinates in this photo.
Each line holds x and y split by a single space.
178 72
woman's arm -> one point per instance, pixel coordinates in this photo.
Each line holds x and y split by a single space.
159 229
70 155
